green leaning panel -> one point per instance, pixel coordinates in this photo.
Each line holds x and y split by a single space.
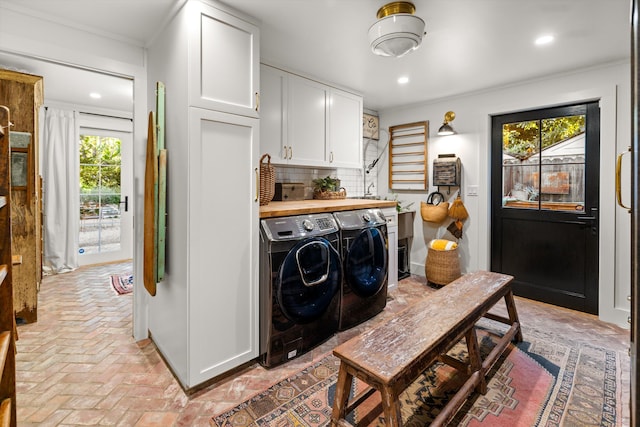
162 181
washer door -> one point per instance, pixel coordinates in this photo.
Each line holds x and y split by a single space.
366 263
309 278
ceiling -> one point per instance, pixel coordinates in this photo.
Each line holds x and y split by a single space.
470 45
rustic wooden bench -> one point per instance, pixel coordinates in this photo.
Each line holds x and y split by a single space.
390 356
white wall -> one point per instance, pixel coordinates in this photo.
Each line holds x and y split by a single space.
610 84
39 38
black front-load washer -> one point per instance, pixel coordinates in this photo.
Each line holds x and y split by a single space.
365 262
300 279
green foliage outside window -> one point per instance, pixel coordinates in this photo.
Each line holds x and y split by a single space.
524 139
100 160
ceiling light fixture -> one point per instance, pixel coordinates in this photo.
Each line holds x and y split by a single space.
542 40
95 95
446 129
398 31
403 80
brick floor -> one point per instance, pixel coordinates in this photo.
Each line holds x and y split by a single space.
79 365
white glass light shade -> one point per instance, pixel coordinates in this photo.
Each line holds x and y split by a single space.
396 35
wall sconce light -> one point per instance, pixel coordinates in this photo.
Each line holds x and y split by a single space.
446 129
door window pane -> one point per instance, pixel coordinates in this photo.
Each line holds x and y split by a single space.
543 164
100 167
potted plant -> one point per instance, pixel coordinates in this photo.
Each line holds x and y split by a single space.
328 188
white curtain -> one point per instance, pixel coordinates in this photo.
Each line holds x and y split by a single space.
61 181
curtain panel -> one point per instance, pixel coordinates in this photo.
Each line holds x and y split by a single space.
61 183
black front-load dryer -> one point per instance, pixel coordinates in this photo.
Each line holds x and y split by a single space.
300 279
365 262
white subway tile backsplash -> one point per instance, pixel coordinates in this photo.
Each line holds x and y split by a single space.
355 181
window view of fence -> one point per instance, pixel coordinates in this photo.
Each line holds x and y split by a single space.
543 164
100 176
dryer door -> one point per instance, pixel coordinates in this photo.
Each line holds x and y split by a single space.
309 278
366 263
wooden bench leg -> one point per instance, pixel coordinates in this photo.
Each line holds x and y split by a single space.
475 361
513 314
391 408
341 401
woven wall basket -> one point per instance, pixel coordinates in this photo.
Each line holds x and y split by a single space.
267 181
434 213
442 267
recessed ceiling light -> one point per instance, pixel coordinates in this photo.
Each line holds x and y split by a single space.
95 95
542 40
403 80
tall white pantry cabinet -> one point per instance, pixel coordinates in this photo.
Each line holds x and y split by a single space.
204 317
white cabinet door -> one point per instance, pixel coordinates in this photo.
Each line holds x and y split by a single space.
392 242
344 129
306 121
223 242
273 113
224 57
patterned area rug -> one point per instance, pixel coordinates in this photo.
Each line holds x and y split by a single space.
122 284
539 382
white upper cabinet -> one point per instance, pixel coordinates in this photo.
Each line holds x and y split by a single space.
307 123
344 132
223 76
273 112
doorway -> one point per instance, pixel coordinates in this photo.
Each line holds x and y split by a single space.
544 203
106 227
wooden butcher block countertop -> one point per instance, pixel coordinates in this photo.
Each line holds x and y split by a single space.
303 207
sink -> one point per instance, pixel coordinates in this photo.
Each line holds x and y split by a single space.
365 197
405 224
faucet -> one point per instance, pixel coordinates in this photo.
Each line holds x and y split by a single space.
369 188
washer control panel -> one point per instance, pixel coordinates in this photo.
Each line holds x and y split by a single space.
296 227
353 220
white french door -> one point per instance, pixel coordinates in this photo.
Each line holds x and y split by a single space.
106 181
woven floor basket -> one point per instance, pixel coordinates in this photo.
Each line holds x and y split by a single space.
267 181
442 267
